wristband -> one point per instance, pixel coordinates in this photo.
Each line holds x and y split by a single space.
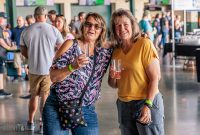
148 103
70 68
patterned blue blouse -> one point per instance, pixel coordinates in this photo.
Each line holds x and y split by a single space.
73 84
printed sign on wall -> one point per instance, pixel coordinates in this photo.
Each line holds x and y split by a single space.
187 4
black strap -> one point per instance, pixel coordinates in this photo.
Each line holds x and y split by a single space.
93 69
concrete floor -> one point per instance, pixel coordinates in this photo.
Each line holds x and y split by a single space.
181 98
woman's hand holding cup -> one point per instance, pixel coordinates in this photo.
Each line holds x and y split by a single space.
80 61
115 69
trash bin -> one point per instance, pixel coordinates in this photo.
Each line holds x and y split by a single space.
198 63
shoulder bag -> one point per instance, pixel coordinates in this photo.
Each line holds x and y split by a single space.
70 112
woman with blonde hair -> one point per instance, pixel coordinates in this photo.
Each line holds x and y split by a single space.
140 104
77 70
61 25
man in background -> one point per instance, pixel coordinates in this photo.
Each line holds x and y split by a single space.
4 44
38 43
30 20
145 25
75 28
52 16
16 33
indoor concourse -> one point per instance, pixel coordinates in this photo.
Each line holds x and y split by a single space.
180 90
178 85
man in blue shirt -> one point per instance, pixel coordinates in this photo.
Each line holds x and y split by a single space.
16 33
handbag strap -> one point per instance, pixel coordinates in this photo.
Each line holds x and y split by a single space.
93 69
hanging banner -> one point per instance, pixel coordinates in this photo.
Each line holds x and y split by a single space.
186 4
158 2
34 2
19 2
50 2
99 2
166 2
39 2
94 2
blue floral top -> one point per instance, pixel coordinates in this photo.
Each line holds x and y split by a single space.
72 86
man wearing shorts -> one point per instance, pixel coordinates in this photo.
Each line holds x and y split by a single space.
38 43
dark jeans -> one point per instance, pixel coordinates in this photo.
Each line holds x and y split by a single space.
1 66
128 112
52 125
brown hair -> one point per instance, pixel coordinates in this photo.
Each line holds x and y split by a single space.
52 12
102 37
136 33
81 14
29 17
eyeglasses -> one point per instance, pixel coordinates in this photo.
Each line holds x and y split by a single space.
89 25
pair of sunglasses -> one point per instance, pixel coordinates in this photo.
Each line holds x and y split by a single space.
89 25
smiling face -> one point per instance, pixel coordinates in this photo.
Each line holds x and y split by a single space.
123 28
92 29
59 23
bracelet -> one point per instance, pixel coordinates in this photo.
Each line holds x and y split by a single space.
70 68
148 103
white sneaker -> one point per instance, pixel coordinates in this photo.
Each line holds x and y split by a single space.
30 126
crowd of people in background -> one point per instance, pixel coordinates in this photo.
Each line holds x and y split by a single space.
10 40
39 41
159 27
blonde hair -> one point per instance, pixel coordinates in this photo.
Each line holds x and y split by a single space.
65 28
136 33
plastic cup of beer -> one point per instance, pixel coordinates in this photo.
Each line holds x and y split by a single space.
116 67
87 50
